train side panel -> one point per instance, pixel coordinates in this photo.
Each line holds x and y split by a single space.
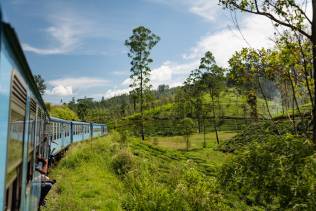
5 75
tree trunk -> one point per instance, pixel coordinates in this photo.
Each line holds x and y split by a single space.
294 98
204 132
314 68
141 106
214 115
265 98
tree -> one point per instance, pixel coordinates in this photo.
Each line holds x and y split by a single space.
40 82
249 68
211 79
140 44
287 13
82 110
187 130
193 94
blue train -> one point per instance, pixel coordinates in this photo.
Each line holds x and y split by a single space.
26 129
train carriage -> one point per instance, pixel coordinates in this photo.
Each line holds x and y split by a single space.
26 129
81 131
23 116
59 134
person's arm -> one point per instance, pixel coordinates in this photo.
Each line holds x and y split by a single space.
44 169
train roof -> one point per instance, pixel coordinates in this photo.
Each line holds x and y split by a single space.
54 119
77 122
16 49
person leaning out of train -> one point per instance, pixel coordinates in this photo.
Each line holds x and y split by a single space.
46 182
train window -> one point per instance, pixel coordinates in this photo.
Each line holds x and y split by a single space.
60 130
15 144
38 126
54 131
17 119
32 120
31 142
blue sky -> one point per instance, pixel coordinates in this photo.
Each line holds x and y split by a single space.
78 45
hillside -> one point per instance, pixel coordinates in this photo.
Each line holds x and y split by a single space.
118 172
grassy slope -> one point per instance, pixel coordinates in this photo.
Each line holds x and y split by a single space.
232 106
85 180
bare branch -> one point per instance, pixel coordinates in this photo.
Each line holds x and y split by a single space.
273 18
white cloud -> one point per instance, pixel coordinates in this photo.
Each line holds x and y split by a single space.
170 73
115 92
67 86
60 91
206 9
256 30
126 82
81 82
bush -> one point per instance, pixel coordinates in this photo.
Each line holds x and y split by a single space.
189 190
122 163
278 173
115 136
63 112
256 132
195 191
146 193
123 138
187 130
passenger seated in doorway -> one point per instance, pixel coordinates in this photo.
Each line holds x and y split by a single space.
46 183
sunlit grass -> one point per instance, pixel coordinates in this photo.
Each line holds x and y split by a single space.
197 140
85 181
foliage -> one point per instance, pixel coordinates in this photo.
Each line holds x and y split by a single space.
277 173
82 110
122 163
124 138
63 112
40 82
140 44
255 132
187 130
288 13
191 191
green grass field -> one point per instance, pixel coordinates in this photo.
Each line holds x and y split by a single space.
86 180
197 140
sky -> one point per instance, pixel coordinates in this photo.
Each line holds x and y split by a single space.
77 46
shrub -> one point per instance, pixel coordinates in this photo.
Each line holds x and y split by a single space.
115 136
256 132
278 173
146 193
190 190
123 140
197 192
187 130
63 112
122 163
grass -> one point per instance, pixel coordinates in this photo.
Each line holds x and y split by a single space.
86 180
197 140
